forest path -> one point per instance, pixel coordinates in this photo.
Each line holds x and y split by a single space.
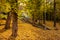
28 32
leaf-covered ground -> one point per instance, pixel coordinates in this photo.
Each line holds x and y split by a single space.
28 32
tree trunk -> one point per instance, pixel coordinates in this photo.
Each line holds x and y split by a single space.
43 18
14 24
39 19
33 18
54 13
7 25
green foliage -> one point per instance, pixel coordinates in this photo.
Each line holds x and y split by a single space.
3 16
36 7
